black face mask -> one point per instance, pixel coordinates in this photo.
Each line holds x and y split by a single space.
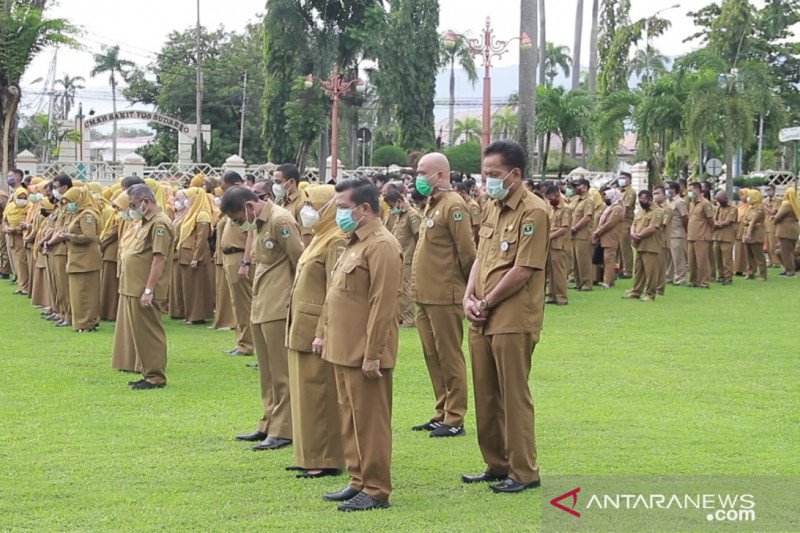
607 201
645 205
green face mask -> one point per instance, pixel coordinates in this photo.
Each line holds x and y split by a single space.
396 210
422 185
570 192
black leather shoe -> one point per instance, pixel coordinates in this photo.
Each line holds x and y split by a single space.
448 431
255 436
135 382
254 366
146 385
510 486
343 495
427 426
323 472
272 443
63 324
363 502
481 478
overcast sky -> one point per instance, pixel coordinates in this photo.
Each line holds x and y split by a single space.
140 28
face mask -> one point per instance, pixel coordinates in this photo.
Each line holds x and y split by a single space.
570 192
749 200
217 202
57 194
645 205
33 197
11 182
135 214
22 202
607 201
396 210
495 189
554 202
279 190
72 207
309 216
623 183
344 219
123 215
422 185
692 195
668 194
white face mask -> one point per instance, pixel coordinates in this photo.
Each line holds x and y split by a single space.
57 194
22 202
623 182
279 190
309 216
217 202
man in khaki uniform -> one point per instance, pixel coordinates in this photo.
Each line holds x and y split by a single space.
629 203
771 205
273 247
143 288
405 222
701 220
504 302
660 198
57 250
472 206
645 238
724 234
581 231
286 179
560 219
239 278
676 272
444 255
361 340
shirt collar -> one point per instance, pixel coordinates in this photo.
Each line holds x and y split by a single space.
265 212
513 200
367 229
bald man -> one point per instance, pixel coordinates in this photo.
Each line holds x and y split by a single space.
440 269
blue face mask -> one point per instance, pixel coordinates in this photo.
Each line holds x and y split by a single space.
72 207
344 219
495 187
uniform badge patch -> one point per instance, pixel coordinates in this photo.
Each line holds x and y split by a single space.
160 232
339 251
269 245
458 215
528 229
89 219
285 232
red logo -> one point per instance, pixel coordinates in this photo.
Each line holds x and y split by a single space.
555 502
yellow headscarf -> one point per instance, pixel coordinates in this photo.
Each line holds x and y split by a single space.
36 180
95 187
597 198
158 192
14 214
755 198
85 200
108 193
199 180
200 211
743 206
326 230
127 228
109 218
790 199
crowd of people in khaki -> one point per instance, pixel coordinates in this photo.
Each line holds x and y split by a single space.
318 279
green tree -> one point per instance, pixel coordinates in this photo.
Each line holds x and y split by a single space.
504 124
465 157
110 62
459 54
469 128
389 155
648 62
563 113
557 58
66 97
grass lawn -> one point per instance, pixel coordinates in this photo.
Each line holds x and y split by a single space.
697 382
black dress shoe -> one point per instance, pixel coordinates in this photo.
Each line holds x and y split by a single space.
254 366
427 426
343 495
255 436
363 502
481 478
272 443
146 385
511 486
323 472
448 431
135 382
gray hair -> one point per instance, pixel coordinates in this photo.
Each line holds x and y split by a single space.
137 193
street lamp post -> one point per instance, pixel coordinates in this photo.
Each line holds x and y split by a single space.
334 87
487 48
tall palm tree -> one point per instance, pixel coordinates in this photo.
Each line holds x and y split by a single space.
528 60
557 58
576 56
468 127
109 61
648 62
69 87
593 58
448 58
504 124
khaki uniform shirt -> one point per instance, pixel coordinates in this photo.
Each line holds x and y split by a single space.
786 223
474 213
153 237
445 251
667 224
196 247
584 205
754 228
360 314
679 210
62 221
728 233
83 245
612 225
275 250
514 233
231 238
405 228
629 202
771 206
644 219
293 203
701 217
560 218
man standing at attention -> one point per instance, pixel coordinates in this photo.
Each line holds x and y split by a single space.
701 220
504 302
360 334
645 238
444 256
405 227
581 231
629 203
285 181
676 272
143 288
724 234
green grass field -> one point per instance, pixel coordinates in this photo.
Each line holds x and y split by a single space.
698 382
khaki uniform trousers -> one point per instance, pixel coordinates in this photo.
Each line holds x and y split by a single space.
700 263
645 273
20 257
141 328
316 427
625 250
5 260
755 259
405 306
609 266
584 271
365 409
441 331
723 254
663 266
124 355
772 248
678 267
273 366
84 295
176 307
501 365
740 257
241 292
61 281
223 307
557 275
787 254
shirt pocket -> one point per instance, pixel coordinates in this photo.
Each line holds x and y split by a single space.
485 238
349 274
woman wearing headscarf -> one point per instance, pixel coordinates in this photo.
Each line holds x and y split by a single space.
31 227
224 319
176 308
787 230
109 249
197 269
13 226
40 283
84 260
755 235
739 253
607 234
158 192
5 260
123 357
315 417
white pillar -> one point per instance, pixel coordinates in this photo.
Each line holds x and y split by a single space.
26 162
236 164
133 165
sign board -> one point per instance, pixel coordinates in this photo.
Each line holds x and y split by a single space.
789 134
364 135
714 167
141 115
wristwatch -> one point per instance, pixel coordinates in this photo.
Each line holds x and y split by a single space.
483 305
148 292
245 263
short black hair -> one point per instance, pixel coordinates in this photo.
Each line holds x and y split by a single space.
362 191
289 171
770 186
139 192
674 187
625 174
249 178
62 180
234 199
659 188
18 172
552 189
682 181
581 181
646 193
130 181
469 182
461 187
696 185
232 178
512 154
393 195
381 179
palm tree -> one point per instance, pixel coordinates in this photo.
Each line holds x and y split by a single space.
505 124
469 127
528 58
66 97
593 59
648 64
557 58
460 54
110 62
576 55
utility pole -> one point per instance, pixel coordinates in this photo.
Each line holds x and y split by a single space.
199 95
244 110
51 110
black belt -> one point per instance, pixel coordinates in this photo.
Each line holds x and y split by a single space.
229 251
